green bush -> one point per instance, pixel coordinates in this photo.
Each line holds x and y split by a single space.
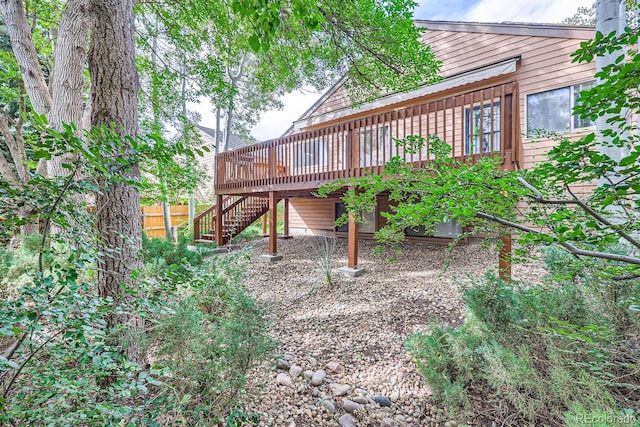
214 335
162 256
547 353
206 334
17 264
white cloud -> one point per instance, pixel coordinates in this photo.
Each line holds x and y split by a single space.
545 11
274 123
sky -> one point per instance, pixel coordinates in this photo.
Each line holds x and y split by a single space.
274 123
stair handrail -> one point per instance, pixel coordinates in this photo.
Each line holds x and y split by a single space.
198 219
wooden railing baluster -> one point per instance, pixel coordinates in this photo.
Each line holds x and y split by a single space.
366 144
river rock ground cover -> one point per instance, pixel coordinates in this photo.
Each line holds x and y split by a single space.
341 358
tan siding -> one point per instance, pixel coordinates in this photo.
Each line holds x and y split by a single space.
545 63
312 214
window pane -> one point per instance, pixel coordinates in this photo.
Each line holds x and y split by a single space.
473 129
549 111
312 153
368 224
577 121
375 146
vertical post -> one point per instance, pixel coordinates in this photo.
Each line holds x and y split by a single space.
352 259
286 217
218 228
273 223
272 256
352 268
264 223
504 258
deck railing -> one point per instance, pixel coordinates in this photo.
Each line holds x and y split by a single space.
478 123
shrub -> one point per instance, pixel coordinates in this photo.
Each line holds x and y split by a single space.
214 335
162 256
547 353
207 333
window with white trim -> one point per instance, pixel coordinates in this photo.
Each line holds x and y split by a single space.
551 110
474 142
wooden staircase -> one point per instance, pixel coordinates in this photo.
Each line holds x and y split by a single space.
238 212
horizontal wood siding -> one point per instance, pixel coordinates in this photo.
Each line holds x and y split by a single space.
312 214
545 63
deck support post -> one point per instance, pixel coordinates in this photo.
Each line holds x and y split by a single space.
265 221
272 256
286 218
352 268
504 258
218 221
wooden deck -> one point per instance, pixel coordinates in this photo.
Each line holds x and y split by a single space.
481 122
476 123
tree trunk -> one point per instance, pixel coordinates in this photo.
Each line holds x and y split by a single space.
67 85
114 97
227 127
166 216
218 132
610 17
25 52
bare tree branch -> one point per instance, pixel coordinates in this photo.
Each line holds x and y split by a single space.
7 172
568 246
17 153
603 220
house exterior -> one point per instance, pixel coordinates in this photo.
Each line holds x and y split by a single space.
206 190
501 81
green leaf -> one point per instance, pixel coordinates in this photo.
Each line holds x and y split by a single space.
254 43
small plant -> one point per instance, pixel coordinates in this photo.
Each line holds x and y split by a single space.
239 418
324 250
214 334
162 256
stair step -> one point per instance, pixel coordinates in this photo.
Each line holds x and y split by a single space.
204 241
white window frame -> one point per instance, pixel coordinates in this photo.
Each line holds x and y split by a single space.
572 102
470 145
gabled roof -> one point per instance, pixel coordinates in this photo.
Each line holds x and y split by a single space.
209 134
508 28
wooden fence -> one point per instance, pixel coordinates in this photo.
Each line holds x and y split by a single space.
153 219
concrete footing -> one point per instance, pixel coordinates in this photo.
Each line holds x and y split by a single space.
270 258
351 272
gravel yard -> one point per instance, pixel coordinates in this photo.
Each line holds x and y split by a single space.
341 358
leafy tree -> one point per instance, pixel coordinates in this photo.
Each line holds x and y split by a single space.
587 15
87 90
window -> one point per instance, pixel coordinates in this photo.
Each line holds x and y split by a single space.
475 143
375 146
313 152
368 224
578 122
550 111
448 230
